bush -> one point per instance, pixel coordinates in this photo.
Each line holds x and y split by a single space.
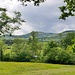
22 57
52 55
64 57
60 57
72 59
6 57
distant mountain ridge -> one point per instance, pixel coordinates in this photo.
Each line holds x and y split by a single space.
42 35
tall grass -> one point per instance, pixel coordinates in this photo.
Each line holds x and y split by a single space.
19 68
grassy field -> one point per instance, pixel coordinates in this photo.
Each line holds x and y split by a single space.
14 68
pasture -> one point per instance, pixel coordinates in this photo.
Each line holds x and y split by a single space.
25 68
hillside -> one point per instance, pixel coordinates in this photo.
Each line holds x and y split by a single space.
41 35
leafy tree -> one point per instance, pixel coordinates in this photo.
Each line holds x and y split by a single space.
7 23
64 57
33 41
50 46
68 40
18 44
36 2
20 50
2 45
53 55
68 9
73 48
23 56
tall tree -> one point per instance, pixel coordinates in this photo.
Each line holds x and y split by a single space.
1 49
33 40
21 50
7 23
68 40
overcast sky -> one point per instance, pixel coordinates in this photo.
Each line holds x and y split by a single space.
44 18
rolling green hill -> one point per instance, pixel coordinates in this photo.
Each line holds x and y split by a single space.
41 35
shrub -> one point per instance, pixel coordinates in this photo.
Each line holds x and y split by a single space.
64 57
23 57
6 57
52 55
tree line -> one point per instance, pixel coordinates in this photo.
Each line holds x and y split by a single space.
32 50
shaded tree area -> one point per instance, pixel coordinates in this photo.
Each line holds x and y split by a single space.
2 47
68 40
61 54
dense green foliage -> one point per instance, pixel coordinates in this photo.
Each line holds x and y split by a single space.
68 9
64 53
68 40
27 50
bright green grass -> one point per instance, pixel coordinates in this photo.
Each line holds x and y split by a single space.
18 68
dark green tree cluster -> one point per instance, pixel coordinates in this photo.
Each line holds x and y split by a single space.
27 50
33 40
20 49
64 54
68 40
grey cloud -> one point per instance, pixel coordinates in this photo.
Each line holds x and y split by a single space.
45 17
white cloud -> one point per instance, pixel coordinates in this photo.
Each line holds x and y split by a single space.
59 27
10 5
25 28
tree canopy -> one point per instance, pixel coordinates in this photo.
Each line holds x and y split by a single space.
36 2
68 9
7 21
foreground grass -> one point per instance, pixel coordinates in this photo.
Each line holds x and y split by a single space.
14 68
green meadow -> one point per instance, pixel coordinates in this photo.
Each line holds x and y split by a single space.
25 68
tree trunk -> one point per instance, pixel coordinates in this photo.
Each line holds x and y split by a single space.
1 55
